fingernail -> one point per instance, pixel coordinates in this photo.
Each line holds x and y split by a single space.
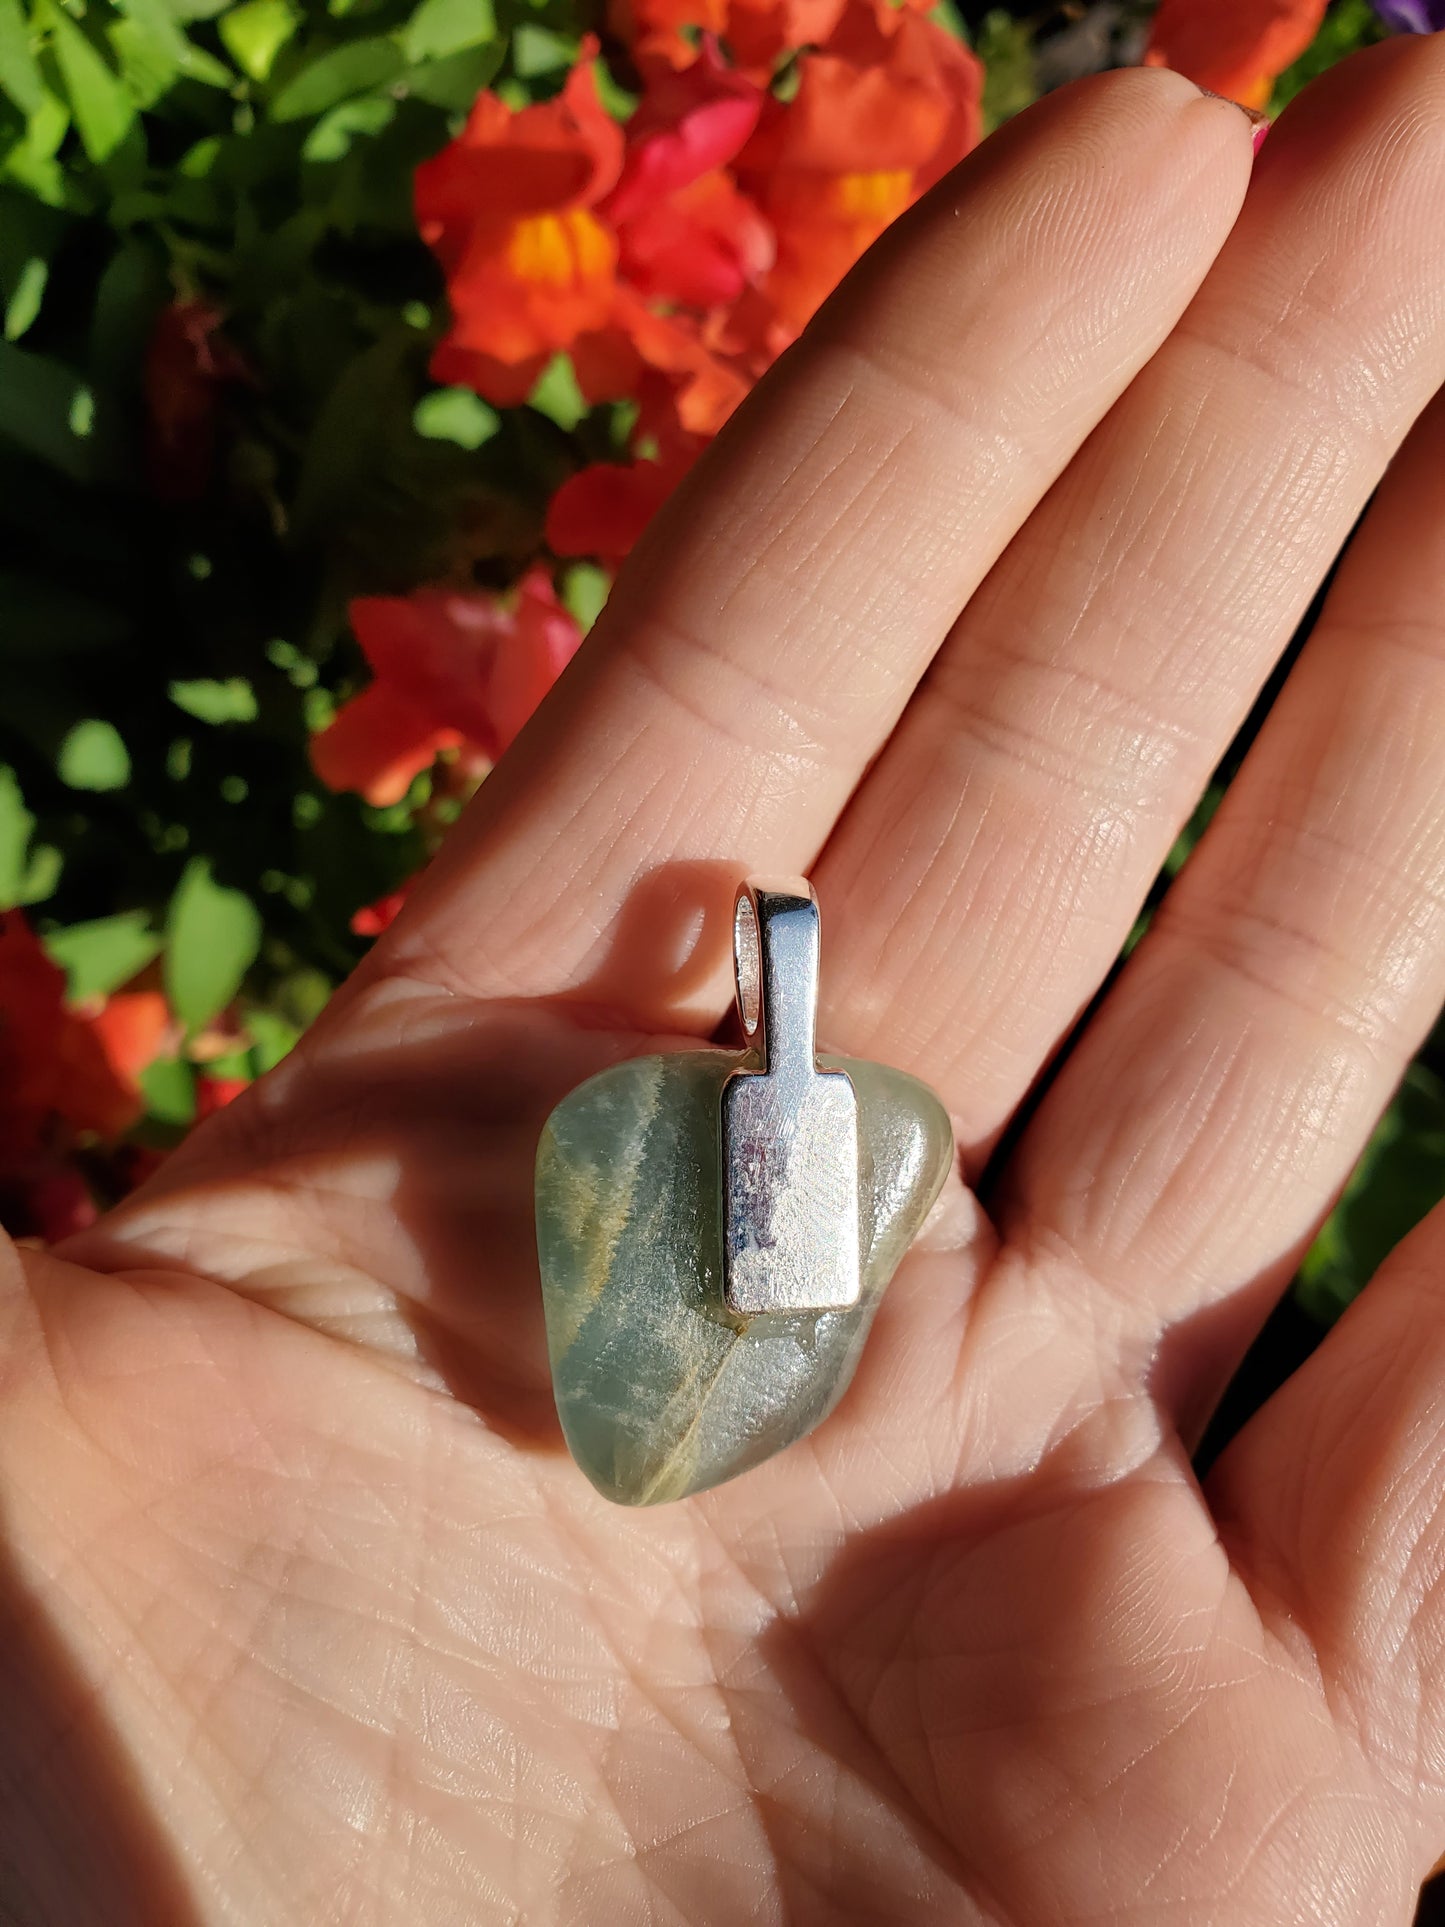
1261 123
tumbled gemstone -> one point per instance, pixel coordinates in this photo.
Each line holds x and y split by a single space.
661 1391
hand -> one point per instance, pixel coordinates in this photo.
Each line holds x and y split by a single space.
310 1618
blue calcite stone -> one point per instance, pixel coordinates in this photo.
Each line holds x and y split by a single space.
661 1391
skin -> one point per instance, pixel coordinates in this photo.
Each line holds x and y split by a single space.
308 1617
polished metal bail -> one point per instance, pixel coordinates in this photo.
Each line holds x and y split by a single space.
789 1130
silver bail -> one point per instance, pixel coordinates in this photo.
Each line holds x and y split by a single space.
789 1130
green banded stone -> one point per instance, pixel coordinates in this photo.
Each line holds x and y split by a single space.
660 1390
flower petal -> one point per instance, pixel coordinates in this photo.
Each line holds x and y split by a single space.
689 122
1234 47
377 744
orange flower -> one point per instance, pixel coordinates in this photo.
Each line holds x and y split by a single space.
877 119
1234 47
661 221
662 33
507 208
453 669
759 31
58 1067
132 1028
686 385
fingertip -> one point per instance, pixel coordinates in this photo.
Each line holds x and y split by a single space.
1155 130
1393 84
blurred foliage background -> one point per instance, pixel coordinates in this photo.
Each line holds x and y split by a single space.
247 410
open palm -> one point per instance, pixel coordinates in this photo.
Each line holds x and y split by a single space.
309 1617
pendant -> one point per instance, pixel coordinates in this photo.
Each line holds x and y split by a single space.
715 1229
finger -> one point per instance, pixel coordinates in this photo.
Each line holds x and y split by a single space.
987 874
766 636
1330 1502
1219 1101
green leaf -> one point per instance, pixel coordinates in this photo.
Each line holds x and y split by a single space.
232 701
23 304
146 65
455 415
30 161
98 957
44 619
154 53
1400 1177
38 398
585 589
1348 24
442 27
332 136
30 234
356 67
158 23
19 74
538 50
303 995
1005 47
16 825
80 418
272 1037
93 756
455 82
104 110
254 34
26 875
128 297
617 99
235 1063
348 429
169 1089
557 395
212 937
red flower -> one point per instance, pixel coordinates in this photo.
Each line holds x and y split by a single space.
1234 47
685 233
686 391
373 918
215 1093
187 366
877 119
453 669
507 208
687 123
603 510
701 247
59 1068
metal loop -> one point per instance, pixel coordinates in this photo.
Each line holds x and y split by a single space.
776 941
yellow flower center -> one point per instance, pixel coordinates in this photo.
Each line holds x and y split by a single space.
560 250
878 197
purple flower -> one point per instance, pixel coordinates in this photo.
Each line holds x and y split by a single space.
1412 16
